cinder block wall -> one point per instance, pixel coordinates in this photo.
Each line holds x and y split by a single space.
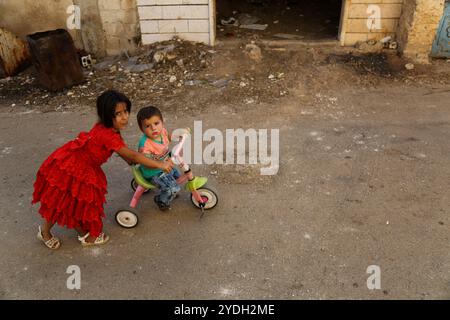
418 26
188 19
355 17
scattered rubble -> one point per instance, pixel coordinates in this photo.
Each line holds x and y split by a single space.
254 26
230 22
409 66
247 19
153 70
185 76
253 52
220 83
106 64
288 36
244 21
371 46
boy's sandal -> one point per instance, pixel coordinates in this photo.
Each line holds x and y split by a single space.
101 239
161 205
53 243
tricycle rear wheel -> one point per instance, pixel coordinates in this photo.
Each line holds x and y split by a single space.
127 218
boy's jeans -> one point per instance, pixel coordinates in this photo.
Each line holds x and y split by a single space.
168 185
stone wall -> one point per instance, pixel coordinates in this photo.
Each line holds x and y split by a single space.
108 27
120 25
93 38
30 16
418 26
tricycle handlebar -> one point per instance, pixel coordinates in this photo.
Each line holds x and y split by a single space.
179 146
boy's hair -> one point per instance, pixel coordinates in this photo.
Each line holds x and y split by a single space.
146 113
106 106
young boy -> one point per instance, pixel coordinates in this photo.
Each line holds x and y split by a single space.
154 144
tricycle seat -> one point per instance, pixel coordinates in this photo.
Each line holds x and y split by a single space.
140 180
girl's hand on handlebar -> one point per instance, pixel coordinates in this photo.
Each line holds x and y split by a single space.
167 166
185 131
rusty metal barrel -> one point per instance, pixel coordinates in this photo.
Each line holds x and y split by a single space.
14 54
55 59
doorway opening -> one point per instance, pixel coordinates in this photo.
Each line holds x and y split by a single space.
278 19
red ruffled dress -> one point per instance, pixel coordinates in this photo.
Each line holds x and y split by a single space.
71 185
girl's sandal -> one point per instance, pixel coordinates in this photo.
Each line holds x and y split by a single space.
53 243
101 239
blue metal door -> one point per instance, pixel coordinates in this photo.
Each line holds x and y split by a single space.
441 45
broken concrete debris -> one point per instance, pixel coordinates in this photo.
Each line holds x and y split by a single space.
106 64
229 22
253 52
254 26
386 40
133 75
85 58
393 45
288 36
132 65
193 82
246 19
154 56
159 56
372 46
388 43
138 68
180 63
220 83
185 78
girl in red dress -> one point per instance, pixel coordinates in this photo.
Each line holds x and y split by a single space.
71 185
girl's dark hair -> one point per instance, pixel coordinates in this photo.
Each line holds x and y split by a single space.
146 113
106 106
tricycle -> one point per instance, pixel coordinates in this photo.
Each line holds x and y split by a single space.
202 197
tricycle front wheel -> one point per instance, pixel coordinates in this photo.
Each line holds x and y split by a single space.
210 198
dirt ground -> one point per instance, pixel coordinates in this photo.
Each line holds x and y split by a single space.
363 173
